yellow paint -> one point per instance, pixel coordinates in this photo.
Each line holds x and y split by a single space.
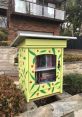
27 51
43 43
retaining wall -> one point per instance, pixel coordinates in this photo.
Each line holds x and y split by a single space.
7 66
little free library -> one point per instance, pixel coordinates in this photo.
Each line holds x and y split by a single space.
40 62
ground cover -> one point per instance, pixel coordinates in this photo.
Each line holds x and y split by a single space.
73 83
12 100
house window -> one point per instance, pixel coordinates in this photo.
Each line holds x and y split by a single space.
45 68
3 21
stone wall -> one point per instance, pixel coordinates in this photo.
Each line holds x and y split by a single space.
73 67
7 55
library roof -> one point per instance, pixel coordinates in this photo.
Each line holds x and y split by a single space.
22 36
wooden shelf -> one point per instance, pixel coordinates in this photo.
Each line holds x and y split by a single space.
45 69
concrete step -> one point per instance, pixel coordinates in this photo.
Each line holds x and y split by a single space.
63 95
61 108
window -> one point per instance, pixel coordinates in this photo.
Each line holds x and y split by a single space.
45 68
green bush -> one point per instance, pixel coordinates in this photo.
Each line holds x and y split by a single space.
73 83
12 100
3 37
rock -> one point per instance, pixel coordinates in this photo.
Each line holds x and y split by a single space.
78 113
2 73
63 95
31 106
62 108
70 115
45 111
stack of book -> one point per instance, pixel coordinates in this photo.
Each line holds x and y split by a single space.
45 68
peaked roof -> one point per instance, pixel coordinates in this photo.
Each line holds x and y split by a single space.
4 4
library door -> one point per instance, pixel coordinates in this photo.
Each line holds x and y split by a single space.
45 69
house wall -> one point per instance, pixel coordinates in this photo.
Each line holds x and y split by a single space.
22 23
26 23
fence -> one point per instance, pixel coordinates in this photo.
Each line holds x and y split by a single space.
75 44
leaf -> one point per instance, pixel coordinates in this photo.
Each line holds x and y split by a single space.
32 76
21 75
26 73
49 84
52 89
43 51
35 92
19 55
53 50
42 91
32 53
34 60
24 58
57 83
23 81
32 87
59 56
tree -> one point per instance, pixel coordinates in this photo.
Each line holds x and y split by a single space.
73 17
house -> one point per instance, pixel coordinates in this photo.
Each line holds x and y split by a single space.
32 16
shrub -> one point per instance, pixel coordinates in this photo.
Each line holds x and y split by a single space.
73 83
3 37
12 100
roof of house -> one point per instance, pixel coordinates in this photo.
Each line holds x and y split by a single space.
4 4
21 36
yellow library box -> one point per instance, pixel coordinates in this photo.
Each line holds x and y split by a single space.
40 63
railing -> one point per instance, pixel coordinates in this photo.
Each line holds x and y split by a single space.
4 4
39 10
